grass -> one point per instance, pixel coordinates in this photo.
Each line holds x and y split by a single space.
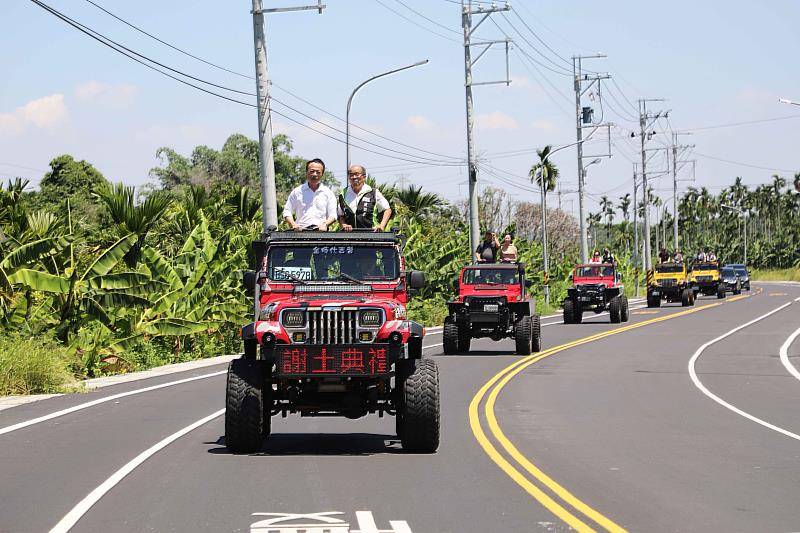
785 274
33 366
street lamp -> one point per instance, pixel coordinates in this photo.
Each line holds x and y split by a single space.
744 216
350 101
787 101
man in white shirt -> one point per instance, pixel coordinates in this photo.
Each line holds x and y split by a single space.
359 202
311 205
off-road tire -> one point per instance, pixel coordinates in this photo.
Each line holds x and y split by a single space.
577 313
720 292
686 297
536 334
625 312
250 349
244 404
615 310
418 412
450 336
737 291
650 301
464 337
523 331
569 311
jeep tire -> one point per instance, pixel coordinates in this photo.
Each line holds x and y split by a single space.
721 291
418 409
536 334
464 336
450 336
615 309
244 407
625 313
686 297
569 311
523 332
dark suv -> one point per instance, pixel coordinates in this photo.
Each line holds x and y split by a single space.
744 275
730 280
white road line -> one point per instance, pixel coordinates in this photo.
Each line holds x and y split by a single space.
93 497
20 425
433 345
784 353
719 400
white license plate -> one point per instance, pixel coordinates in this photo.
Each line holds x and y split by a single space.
490 308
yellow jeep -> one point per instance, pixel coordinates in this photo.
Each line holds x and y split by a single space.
671 283
705 279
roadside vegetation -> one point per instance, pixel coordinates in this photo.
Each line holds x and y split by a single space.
99 278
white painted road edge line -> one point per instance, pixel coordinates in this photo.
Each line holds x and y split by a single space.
784 353
719 400
93 497
20 425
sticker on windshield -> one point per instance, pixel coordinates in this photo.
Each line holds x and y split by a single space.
333 250
291 273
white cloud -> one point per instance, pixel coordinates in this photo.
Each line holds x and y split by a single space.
495 121
115 96
520 82
545 125
48 113
420 122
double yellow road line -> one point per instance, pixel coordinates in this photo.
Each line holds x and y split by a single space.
524 468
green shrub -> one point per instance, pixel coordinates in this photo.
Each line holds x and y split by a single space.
33 366
786 274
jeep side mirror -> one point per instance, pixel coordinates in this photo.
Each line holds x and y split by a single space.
416 279
249 281
456 284
571 277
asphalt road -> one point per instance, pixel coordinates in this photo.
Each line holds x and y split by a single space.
660 424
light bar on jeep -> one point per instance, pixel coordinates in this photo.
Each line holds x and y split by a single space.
332 288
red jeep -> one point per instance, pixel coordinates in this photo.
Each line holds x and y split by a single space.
331 338
492 302
596 287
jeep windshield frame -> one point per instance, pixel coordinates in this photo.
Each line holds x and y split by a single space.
594 271
332 262
669 269
491 276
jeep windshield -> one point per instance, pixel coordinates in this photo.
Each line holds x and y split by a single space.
663 269
594 271
298 263
491 276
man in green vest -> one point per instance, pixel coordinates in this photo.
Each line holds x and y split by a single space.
359 204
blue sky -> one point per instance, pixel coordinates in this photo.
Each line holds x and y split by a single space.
715 62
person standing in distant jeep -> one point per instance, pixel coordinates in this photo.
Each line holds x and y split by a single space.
486 252
359 204
311 205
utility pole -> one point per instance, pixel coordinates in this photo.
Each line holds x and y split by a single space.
269 207
472 163
646 121
582 118
636 230
675 149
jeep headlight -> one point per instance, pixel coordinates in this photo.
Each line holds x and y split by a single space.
294 318
371 317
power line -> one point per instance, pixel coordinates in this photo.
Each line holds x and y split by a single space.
551 69
184 52
287 117
746 123
415 23
743 164
121 50
562 58
427 18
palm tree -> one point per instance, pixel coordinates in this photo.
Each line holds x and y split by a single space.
137 219
544 170
624 205
417 202
797 181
